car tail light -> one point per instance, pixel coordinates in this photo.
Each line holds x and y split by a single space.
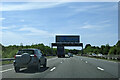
35 55
15 56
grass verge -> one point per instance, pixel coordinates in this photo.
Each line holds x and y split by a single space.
6 62
104 59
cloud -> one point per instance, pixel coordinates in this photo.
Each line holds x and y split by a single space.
106 22
32 35
12 38
28 6
2 18
89 0
94 8
78 9
88 26
59 0
8 27
22 20
98 39
94 26
84 8
1 28
36 32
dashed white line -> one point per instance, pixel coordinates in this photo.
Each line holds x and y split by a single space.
100 68
81 59
6 70
86 61
53 69
60 62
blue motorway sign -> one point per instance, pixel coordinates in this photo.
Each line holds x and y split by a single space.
66 38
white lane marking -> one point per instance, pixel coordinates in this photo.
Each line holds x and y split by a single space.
86 61
81 59
23 68
6 70
100 68
60 62
51 59
53 69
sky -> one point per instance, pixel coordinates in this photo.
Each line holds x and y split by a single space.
39 22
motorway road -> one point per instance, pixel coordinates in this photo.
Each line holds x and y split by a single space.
73 67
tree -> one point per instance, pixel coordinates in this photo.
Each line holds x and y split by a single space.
105 49
118 44
118 51
87 45
96 50
112 51
10 51
88 50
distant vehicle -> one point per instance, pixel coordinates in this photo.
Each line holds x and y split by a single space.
60 51
100 55
70 54
29 58
93 54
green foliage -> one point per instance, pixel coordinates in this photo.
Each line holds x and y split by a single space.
104 49
88 50
112 51
115 49
118 51
87 45
10 51
118 44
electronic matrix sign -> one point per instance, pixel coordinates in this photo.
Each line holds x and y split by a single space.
67 38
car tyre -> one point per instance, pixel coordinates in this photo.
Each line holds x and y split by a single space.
17 69
45 63
38 67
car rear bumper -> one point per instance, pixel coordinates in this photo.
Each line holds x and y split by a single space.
34 63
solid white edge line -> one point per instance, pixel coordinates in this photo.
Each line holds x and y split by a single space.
100 68
6 70
53 69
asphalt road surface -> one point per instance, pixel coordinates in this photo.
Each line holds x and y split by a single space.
73 67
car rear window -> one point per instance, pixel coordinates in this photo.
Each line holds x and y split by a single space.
25 51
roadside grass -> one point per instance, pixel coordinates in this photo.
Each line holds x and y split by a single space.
104 59
50 57
109 59
6 62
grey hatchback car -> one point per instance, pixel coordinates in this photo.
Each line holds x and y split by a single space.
29 58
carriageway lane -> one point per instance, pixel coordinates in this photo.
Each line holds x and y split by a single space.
8 71
72 67
109 66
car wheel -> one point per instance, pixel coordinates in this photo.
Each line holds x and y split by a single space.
17 69
45 63
38 66
29 67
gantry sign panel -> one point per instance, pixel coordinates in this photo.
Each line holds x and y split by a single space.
67 44
67 38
